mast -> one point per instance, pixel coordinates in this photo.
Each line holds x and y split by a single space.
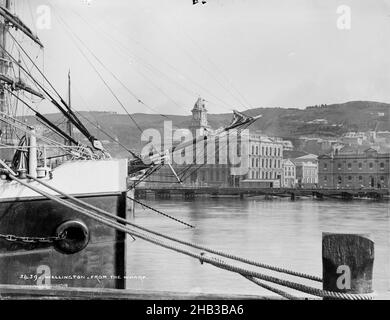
4 61
69 128
5 130
9 82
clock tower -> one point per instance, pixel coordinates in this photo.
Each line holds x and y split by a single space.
199 123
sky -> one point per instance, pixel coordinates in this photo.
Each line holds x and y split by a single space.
158 56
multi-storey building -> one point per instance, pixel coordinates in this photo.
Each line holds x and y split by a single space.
265 157
288 174
354 168
203 165
257 159
307 170
306 174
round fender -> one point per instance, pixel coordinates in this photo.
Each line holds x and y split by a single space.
75 237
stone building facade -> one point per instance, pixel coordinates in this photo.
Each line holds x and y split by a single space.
288 174
306 171
354 168
265 157
257 159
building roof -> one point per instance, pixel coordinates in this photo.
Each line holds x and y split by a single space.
288 162
304 163
360 149
356 150
309 156
292 154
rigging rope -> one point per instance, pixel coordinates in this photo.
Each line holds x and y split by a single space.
44 119
103 211
159 212
154 69
270 288
47 80
195 246
73 119
200 256
99 127
70 32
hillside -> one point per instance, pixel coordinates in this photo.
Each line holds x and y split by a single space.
291 123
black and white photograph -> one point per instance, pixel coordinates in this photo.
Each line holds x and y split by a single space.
195 155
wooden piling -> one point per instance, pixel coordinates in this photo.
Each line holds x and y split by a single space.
347 263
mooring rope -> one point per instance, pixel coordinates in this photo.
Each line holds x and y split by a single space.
101 210
200 256
159 212
272 289
183 242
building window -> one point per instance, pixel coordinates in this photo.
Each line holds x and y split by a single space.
360 166
262 163
262 150
325 178
349 166
371 165
253 149
360 178
349 178
339 179
339 166
253 162
382 166
382 179
325 166
257 150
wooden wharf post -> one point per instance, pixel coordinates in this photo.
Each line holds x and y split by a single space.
347 263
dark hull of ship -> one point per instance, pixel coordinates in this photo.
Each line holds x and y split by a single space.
100 264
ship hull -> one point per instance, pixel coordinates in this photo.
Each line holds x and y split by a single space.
101 264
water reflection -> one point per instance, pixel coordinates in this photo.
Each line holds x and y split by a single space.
278 232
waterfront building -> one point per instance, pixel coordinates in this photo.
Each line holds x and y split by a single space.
312 158
306 170
259 161
306 174
199 124
288 174
204 167
354 168
265 155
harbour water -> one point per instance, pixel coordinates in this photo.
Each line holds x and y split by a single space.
278 232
